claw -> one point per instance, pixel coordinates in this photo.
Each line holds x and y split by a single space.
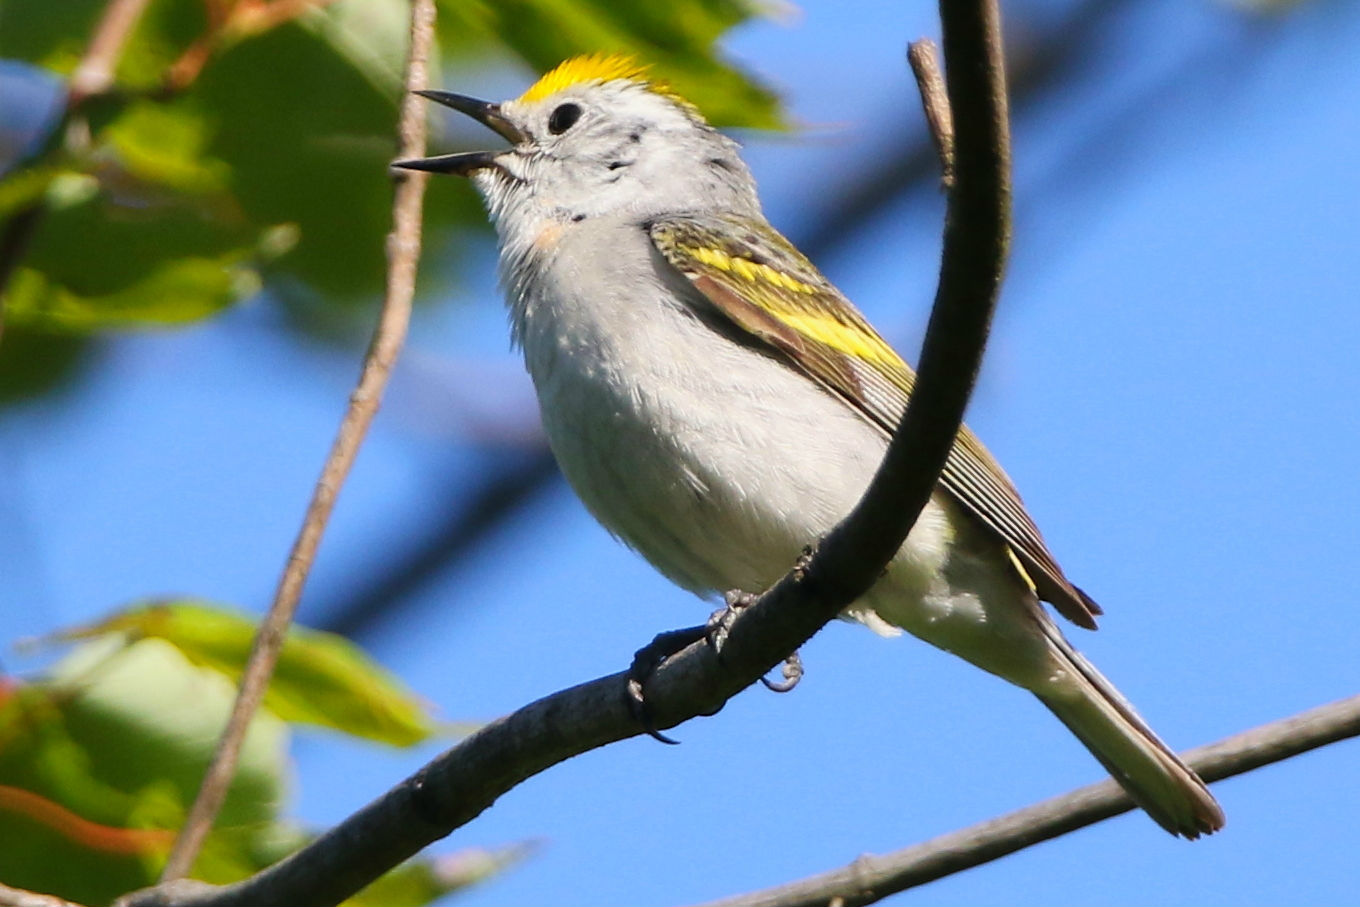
651 656
793 672
645 662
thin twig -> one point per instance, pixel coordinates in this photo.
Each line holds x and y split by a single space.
872 878
403 252
925 65
230 23
94 73
457 786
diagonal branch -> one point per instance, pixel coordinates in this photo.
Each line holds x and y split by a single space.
403 253
458 785
872 878
94 73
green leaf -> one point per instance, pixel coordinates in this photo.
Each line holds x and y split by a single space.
56 35
178 292
148 715
139 231
164 145
24 188
38 362
320 679
98 760
53 34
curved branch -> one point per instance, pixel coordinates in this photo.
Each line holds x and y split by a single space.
403 253
870 878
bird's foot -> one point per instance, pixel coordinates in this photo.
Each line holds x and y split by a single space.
650 657
720 624
720 621
792 673
645 662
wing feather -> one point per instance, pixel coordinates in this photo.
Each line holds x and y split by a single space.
800 314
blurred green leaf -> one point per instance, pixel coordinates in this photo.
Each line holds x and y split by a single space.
51 34
370 35
56 35
147 715
99 758
676 38
25 187
308 139
164 145
288 123
321 678
179 292
140 231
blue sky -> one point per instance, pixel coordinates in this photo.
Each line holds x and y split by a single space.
1171 383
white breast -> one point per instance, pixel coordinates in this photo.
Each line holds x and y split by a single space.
714 461
719 463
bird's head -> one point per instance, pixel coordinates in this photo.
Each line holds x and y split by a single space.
596 137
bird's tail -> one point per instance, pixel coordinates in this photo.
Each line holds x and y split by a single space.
1154 776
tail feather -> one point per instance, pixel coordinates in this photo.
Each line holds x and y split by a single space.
1152 774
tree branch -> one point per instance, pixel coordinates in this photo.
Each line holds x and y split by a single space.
869 878
94 73
18 897
976 240
458 785
925 65
403 253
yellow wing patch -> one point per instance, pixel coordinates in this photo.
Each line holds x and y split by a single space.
806 313
748 270
766 287
849 340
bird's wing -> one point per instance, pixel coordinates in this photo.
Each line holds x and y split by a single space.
756 280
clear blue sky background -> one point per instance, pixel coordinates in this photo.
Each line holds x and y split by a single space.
1172 383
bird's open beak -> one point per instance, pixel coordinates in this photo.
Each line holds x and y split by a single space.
467 162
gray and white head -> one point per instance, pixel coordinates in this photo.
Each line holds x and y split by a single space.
595 138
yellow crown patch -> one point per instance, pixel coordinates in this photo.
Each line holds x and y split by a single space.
598 68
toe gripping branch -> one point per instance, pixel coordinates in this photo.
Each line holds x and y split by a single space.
651 656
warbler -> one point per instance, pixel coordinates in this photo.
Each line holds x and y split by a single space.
718 405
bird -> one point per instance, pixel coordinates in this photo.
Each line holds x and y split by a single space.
717 404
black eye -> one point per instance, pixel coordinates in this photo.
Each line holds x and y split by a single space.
563 118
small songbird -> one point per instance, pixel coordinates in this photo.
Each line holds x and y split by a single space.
718 405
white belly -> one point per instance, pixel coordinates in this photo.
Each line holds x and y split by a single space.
719 465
